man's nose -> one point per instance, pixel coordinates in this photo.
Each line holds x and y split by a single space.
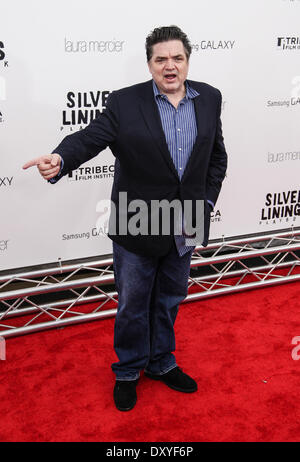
170 64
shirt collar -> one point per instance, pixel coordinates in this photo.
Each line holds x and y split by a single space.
191 93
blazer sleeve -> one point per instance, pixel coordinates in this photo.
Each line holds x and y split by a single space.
85 144
218 161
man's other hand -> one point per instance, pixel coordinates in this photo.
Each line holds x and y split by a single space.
48 165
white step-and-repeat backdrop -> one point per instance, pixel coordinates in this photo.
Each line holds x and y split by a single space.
59 60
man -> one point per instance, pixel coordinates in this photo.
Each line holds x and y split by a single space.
167 139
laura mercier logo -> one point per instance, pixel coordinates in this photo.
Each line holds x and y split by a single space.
94 46
274 157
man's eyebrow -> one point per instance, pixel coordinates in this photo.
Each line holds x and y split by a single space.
180 55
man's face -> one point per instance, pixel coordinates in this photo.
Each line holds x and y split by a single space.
169 66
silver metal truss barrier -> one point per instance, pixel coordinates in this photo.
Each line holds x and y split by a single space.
66 294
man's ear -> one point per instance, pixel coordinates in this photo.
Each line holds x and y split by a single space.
149 67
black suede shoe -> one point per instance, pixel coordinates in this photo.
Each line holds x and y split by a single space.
125 394
176 379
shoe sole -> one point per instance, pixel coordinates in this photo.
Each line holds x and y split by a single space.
124 409
183 390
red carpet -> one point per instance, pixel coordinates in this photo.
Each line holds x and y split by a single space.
57 385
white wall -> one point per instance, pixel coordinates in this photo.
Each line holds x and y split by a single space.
235 49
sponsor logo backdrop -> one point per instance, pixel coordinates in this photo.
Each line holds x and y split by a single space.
56 75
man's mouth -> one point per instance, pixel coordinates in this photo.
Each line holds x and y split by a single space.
170 77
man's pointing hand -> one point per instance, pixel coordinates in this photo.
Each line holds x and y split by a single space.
48 165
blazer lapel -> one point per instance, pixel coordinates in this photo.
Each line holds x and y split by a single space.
151 117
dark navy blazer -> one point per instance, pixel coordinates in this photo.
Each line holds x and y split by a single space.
131 127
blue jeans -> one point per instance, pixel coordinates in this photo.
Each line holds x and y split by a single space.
149 290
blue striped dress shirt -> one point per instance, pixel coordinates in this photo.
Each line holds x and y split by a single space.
180 129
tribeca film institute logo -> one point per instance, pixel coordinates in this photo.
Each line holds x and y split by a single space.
288 43
281 207
215 216
97 172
